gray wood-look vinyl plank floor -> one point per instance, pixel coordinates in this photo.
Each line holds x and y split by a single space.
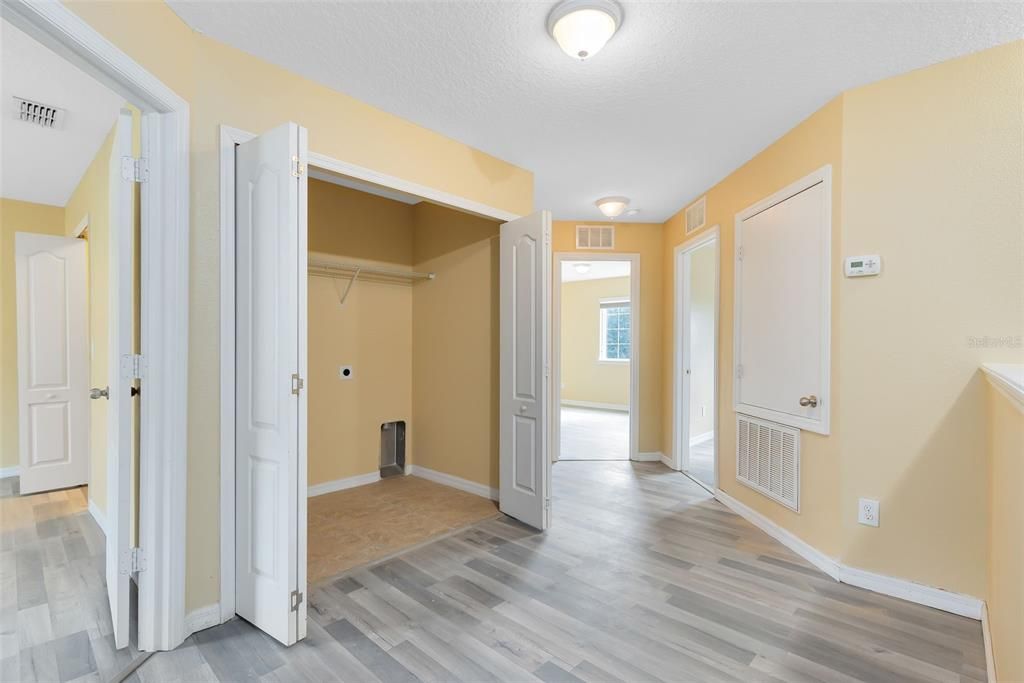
642 577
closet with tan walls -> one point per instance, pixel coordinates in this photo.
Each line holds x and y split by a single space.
420 351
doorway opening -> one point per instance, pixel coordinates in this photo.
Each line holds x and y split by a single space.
696 352
384 304
100 306
596 340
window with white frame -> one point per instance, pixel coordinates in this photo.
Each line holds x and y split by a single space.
616 330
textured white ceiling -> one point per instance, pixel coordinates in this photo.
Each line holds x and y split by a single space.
599 270
681 96
36 164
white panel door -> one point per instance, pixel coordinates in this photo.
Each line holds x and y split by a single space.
525 266
782 307
270 494
53 361
120 378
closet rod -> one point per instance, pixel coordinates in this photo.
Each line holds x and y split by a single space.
332 268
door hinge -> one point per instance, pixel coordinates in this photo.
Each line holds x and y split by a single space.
739 372
297 598
134 169
297 384
133 366
739 253
298 168
133 560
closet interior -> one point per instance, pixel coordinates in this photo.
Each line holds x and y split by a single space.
403 367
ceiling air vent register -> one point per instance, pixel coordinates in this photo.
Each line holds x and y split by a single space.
39 114
595 236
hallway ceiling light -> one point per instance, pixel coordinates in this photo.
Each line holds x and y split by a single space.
582 27
632 212
582 268
612 206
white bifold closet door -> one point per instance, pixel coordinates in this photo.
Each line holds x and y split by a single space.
270 477
525 466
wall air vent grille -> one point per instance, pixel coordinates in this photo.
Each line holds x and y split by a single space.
696 215
768 459
595 236
42 115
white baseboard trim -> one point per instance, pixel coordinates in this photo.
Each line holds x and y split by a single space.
648 457
101 519
342 484
990 655
666 460
947 601
202 618
791 541
701 438
618 407
459 483
9 471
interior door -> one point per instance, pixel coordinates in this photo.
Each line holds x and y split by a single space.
270 494
782 319
525 266
53 361
120 377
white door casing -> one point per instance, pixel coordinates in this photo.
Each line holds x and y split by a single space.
525 275
683 367
783 300
53 361
120 378
270 494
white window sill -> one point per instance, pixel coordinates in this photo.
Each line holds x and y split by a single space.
613 361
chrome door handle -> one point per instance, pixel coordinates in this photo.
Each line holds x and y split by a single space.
95 393
522 408
811 401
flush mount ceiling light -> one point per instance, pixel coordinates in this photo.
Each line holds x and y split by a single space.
582 268
632 212
612 206
582 27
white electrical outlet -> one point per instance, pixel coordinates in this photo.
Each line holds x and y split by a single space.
867 512
345 372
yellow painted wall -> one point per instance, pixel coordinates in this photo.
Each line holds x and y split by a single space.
933 163
455 357
15 216
702 349
226 86
92 198
1006 535
645 239
815 142
584 376
927 172
372 332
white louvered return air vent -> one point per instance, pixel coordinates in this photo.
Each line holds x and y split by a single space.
595 236
768 459
696 214
40 114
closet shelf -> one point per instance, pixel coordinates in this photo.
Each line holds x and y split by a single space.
339 269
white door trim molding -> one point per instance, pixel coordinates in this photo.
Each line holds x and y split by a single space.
678 415
556 344
165 246
229 137
947 601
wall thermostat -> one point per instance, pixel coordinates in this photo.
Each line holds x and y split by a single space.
863 266
345 372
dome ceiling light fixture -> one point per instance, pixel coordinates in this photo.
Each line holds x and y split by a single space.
582 268
582 27
612 206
